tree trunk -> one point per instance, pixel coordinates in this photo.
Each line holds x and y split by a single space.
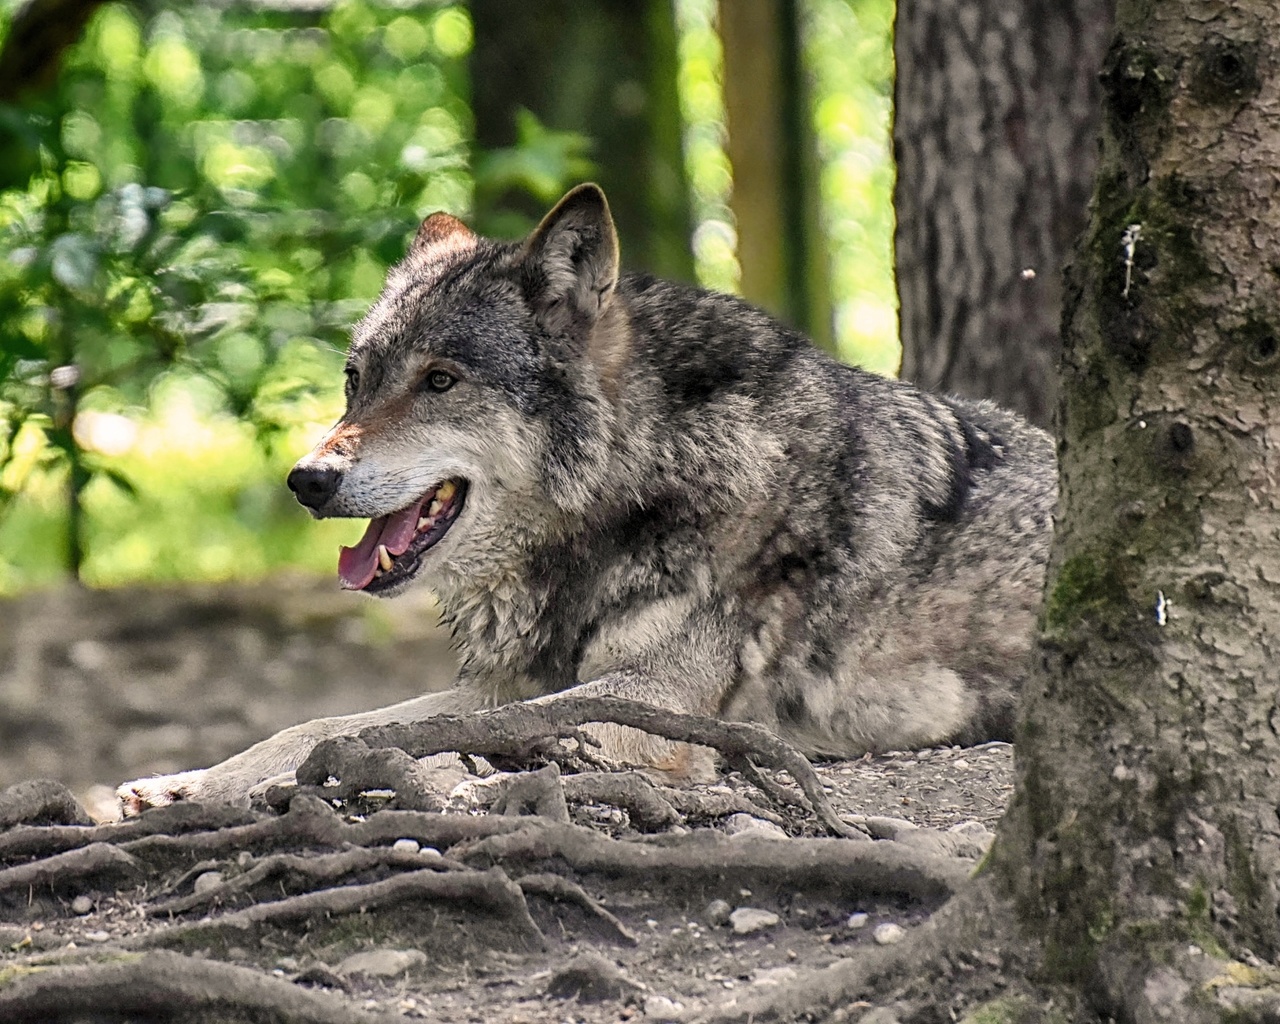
776 200
995 126
606 70
1143 841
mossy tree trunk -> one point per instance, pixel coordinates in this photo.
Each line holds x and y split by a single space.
995 127
1143 842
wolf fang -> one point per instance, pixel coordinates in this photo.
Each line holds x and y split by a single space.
673 498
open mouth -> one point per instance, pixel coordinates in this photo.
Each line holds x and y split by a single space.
391 550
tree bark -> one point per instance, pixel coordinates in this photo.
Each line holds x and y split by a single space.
605 69
995 127
1142 842
776 200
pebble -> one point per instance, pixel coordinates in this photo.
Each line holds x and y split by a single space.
660 1008
589 978
774 976
406 845
738 825
717 913
856 921
748 920
81 905
431 853
287 963
98 936
889 933
382 963
206 880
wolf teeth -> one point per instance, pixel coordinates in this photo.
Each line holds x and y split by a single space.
445 491
423 523
435 506
384 558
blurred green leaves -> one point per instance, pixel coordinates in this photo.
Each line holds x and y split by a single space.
212 194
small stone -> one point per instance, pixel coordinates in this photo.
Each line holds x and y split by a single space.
590 978
81 905
738 825
960 762
287 963
660 1008
774 976
206 880
749 920
889 933
430 853
98 936
717 913
243 859
856 921
406 846
382 963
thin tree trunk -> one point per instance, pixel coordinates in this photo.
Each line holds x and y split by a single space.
776 200
995 127
1143 842
605 69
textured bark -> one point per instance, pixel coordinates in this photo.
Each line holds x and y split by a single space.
995 127
605 69
1143 840
776 200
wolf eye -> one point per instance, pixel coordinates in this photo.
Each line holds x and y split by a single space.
353 380
439 380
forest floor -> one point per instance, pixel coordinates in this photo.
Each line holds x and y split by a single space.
566 893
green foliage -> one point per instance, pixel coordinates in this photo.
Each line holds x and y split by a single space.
217 193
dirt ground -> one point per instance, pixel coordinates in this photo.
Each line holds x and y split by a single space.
655 922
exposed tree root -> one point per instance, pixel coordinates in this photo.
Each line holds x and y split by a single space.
490 891
711 859
24 841
100 861
705 806
538 793
523 731
315 868
646 804
313 823
166 986
40 802
557 888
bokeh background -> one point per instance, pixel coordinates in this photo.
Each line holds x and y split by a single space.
197 200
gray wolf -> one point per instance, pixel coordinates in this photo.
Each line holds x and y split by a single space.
618 485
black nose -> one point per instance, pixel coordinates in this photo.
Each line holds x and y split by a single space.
314 487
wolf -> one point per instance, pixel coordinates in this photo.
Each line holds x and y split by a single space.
619 485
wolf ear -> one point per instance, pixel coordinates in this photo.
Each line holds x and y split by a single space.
570 262
440 235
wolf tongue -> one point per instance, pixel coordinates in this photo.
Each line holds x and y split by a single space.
358 565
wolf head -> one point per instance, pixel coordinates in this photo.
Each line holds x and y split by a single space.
478 398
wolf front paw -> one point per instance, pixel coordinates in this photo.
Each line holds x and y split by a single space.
159 791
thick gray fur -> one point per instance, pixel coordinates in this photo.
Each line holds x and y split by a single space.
672 497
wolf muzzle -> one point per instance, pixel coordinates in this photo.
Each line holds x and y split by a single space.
314 486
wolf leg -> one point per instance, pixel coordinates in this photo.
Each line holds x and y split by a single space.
274 759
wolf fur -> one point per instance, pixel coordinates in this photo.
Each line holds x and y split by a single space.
672 497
